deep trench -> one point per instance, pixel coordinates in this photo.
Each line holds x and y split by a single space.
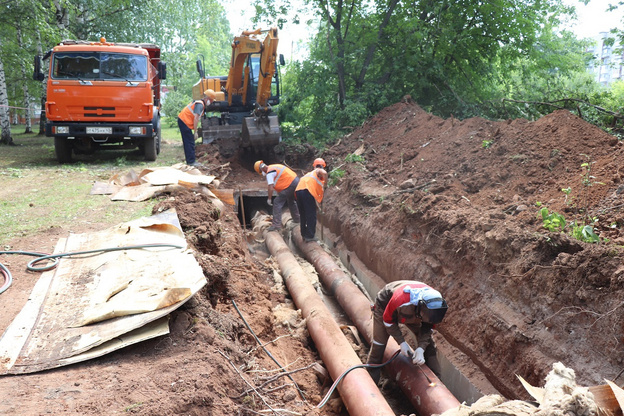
249 202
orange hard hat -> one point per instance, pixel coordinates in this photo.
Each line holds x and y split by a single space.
257 166
210 94
318 161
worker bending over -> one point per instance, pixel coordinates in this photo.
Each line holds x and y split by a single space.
309 192
284 181
188 123
416 305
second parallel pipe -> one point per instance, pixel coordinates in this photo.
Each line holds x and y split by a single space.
358 391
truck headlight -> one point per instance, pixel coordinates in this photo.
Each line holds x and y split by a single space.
62 129
137 130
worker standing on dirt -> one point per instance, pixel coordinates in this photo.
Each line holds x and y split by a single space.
284 181
188 123
309 192
417 306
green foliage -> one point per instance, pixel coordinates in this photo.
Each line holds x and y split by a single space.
175 102
481 59
567 191
335 175
584 233
555 222
353 158
486 144
183 29
552 221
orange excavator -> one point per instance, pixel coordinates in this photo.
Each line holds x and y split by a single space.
242 115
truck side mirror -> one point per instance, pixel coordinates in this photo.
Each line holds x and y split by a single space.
162 70
200 68
282 61
37 74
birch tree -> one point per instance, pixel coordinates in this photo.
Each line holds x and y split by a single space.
5 121
28 112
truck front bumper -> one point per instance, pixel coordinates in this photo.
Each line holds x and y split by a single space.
99 131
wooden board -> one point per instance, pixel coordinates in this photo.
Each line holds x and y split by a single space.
133 287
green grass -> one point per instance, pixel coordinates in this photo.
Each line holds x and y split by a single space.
38 193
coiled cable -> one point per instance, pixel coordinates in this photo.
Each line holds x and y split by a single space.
8 278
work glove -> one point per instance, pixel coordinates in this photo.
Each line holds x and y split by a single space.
406 350
195 135
419 356
269 202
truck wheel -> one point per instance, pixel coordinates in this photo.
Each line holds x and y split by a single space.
63 149
150 150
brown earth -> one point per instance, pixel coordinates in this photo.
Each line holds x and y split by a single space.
453 203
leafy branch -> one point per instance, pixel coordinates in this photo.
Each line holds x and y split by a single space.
617 115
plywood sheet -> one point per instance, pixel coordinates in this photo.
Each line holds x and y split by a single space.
171 176
91 300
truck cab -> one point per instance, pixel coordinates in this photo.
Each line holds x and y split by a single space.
103 95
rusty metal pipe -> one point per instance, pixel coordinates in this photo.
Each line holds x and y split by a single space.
358 391
415 384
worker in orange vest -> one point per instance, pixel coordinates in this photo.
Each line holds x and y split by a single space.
309 192
188 123
284 181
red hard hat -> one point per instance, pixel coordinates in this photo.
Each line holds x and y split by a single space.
319 161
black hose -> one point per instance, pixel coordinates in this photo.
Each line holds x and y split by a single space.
8 279
339 379
55 259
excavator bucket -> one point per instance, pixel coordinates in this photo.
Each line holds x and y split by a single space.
261 132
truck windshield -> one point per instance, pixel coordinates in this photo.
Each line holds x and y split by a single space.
99 66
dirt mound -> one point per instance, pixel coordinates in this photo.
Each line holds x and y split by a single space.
460 201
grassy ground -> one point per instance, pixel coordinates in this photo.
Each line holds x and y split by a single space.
37 192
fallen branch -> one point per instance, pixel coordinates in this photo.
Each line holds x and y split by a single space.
274 378
607 313
275 369
564 100
269 342
264 348
247 382
414 188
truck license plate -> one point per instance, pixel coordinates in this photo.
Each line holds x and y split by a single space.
99 130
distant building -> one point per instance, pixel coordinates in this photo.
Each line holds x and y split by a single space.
609 64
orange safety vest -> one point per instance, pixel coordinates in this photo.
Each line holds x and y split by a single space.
313 184
284 177
187 116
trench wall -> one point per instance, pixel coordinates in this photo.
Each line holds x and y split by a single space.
492 310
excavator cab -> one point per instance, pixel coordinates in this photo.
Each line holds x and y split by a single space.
242 115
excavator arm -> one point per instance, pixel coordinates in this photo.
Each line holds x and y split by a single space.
267 69
238 77
246 119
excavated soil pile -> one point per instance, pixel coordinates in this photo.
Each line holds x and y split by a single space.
456 204
453 203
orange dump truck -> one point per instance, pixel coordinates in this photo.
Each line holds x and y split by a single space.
103 95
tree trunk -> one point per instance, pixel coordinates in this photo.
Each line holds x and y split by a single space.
337 57
373 47
5 121
42 116
28 115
